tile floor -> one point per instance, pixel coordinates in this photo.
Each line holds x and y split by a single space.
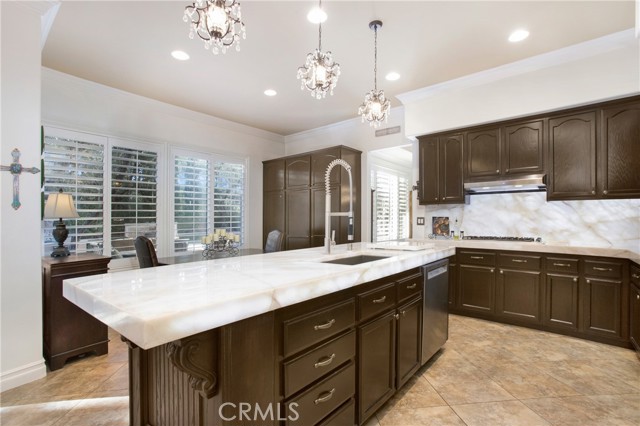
487 374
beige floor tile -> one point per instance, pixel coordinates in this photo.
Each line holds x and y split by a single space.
466 392
416 393
107 411
623 407
523 382
506 413
575 410
36 414
432 416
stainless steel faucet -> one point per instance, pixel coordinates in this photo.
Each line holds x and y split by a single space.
329 235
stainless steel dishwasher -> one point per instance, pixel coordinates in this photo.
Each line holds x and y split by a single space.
435 319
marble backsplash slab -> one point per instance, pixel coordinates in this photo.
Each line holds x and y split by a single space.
596 223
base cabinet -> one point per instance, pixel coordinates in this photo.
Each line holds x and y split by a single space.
409 341
69 331
518 295
561 303
601 307
477 288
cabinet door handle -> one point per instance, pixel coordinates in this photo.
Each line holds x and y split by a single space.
519 260
575 280
562 264
501 271
381 300
588 281
507 171
404 313
602 269
497 171
397 316
412 286
593 192
605 192
477 257
324 326
637 296
492 270
636 276
327 396
328 360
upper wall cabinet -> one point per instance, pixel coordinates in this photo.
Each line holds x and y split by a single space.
523 148
572 156
441 169
619 172
515 149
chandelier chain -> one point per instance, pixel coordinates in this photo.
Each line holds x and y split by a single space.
375 57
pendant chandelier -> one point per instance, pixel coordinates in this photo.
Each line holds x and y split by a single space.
217 22
320 73
376 106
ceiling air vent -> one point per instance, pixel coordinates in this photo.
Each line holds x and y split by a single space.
388 131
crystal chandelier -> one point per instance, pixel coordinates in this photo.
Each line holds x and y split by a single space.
319 73
375 108
217 22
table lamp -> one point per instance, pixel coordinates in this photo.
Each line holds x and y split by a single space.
60 205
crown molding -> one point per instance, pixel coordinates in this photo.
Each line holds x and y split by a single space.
546 60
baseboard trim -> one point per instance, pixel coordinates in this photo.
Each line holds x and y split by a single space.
22 375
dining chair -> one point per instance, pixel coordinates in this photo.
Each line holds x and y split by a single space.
274 241
146 253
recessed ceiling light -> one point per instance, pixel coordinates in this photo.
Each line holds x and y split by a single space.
392 76
180 55
518 35
316 15
270 92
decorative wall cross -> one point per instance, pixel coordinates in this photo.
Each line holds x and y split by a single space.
16 169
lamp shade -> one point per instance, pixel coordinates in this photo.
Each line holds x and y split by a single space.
60 205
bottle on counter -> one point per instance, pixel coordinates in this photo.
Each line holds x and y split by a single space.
462 235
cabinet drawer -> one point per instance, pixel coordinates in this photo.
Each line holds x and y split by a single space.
306 330
376 301
562 264
519 261
476 258
603 269
409 286
306 368
635 275
323 398
345 416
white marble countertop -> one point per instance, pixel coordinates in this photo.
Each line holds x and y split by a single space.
155 306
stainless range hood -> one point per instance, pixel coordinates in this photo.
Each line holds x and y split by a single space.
531 183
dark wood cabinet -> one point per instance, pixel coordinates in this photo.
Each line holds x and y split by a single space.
603 296
483 153
476 290
441 173
523 148
518 295
572 157
634 308
619 152
409 341
377 364
561 302
69 331
293 196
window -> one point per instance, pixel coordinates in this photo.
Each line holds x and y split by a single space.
114 184
134 181
391 204
75 162
208 194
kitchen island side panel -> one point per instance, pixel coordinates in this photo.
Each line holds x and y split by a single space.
207 378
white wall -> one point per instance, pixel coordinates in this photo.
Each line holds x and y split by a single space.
355 134
21 358
601 69
73 103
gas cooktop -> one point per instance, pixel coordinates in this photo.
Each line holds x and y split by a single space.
499 238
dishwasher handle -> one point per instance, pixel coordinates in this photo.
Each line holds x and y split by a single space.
436 272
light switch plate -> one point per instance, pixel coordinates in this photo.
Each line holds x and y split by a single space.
420 221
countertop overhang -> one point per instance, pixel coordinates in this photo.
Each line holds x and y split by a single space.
154 306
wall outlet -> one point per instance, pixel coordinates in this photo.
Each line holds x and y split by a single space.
420 221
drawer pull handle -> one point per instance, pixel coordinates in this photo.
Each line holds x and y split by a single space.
324 326
519 260
381 300
562 264
397 316
326 397
477 257
328 360
412 286
636 276
597 268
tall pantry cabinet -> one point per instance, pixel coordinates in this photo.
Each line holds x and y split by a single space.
294 196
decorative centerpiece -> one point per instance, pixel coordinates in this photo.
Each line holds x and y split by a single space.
222 242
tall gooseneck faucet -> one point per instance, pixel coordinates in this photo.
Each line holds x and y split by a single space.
328 234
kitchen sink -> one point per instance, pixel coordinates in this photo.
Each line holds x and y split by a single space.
355 260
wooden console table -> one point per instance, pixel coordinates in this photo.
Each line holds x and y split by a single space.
68 330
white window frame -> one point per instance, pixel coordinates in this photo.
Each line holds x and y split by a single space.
175 151
389 169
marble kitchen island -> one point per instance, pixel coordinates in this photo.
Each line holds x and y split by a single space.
207 338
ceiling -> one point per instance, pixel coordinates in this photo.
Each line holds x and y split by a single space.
127 45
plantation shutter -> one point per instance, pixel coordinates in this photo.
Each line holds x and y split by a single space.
228 197
192 185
